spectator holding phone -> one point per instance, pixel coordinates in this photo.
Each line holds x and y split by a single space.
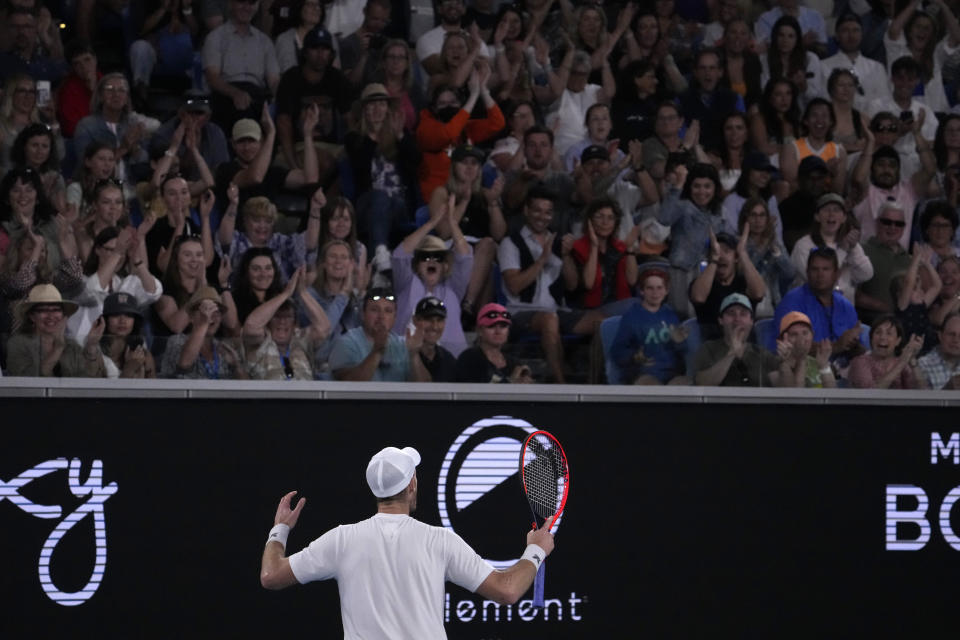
123 346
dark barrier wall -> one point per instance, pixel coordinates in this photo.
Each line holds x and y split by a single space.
683 521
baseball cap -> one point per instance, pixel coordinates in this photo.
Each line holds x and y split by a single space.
758 161
390 470
467 151
728 240
594 152
246 128
811 164
830 198
736 298
196 104
492 313
431 307
318 37
792 318
121 304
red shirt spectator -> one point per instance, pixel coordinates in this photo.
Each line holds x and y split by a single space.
447 124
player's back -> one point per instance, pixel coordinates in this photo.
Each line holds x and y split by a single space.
391 570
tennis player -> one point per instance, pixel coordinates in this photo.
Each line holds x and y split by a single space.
390 568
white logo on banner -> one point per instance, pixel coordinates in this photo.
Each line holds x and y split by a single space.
97 493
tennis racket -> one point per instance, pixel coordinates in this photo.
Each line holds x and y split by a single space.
546 483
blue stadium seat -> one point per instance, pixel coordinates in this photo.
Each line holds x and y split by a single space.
865 335
608 331
764 331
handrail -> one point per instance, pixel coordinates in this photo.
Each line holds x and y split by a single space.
11 387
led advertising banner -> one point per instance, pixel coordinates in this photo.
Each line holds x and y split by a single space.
147 517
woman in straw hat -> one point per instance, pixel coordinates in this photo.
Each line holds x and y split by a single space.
200 354
39 346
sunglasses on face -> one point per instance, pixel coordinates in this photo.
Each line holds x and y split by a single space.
885 128
437 256
900 224
378 297
494 315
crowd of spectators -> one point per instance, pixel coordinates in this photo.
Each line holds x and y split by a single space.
711 193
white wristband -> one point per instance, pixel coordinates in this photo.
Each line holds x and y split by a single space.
535 554
279 534
826 370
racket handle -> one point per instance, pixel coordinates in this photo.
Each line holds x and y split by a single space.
538 586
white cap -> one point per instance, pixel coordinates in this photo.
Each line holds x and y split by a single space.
391 469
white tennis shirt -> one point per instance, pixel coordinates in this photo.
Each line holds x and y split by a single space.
391 570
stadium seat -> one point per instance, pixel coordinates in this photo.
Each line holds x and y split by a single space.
608 331
693 342
764 332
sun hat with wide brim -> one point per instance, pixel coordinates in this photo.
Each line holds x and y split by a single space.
45 294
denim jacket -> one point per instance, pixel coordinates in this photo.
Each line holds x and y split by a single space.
689 229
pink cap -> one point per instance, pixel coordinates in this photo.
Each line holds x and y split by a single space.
491 314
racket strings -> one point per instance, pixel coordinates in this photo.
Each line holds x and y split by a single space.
544 478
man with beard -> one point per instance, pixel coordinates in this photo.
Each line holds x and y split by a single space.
796 212
729 270
430 318
534 276
429 44
251 171
885 182
390 568
372 351
732 361
538 154
301 86
832 316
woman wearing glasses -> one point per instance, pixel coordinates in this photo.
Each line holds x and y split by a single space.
274 348
423 266
113 121
18 109
485 361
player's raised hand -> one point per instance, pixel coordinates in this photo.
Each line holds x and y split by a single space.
286 515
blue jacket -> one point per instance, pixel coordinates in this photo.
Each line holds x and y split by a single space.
689 229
